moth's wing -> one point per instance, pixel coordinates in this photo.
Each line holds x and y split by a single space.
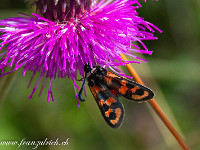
111 108
128 88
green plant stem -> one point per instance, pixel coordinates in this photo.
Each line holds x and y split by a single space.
6 85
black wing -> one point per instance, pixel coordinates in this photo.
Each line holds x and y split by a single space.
127 88
111 108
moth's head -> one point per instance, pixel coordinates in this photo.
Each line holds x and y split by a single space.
87 68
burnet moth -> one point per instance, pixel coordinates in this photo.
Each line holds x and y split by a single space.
106 87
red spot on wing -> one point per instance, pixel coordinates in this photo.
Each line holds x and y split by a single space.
110 100
113 92
94 93
118 115
101 102
134 89
97 89
139 97
123 82
123 90
108 79
111 74
107 113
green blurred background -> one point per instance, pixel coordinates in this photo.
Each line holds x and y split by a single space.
172 72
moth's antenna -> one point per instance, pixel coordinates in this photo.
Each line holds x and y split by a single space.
81 90
87 69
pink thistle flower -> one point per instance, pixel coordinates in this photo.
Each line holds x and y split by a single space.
65 37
